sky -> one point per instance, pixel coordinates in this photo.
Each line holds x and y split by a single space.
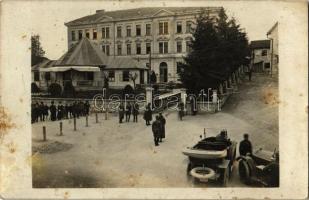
48 17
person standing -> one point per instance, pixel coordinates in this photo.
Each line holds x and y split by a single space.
87 108
148 114
135 112
162 123
41 111
180 110
156 127
128 112
121 113
60 111
53 111
245 146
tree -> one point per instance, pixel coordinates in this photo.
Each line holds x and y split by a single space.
218 48
37 52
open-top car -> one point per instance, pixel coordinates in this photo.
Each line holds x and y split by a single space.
261 168
212 158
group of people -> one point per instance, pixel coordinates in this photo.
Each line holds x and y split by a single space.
158 129
126 111
43 112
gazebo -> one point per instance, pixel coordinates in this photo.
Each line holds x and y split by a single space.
86 67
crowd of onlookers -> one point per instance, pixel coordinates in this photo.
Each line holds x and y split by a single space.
43 112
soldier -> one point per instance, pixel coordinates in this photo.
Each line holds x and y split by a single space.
148 114
121 113
135 112
156 127
53 111
128 112
162 123
245 146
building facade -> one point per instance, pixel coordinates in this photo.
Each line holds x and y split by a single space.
272 34
260 53
157 37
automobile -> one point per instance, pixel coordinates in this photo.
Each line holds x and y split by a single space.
211 158
260 169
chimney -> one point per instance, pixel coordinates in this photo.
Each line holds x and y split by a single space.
100 11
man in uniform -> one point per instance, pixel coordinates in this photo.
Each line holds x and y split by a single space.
156 127
162 122
53 111
245 146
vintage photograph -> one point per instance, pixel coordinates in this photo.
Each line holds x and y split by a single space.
150 97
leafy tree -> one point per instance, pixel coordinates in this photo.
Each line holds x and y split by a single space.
37 52
218 48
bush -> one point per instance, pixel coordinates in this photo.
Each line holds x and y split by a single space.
127 90
68 90
34 88
55 90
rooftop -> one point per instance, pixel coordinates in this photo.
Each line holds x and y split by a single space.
136 13
260 44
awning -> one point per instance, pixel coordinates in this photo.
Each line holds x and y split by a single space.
66 68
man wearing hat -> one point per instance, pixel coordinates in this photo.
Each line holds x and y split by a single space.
245 146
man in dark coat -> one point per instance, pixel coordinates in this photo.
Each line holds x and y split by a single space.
121 113
46 111
135 112
53 111
162 130
156 127
148 114
245 146
60 111
41 112
87 108
128 112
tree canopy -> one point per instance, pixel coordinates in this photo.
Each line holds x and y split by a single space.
37 52
218 47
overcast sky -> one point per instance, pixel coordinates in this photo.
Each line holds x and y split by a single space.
256 17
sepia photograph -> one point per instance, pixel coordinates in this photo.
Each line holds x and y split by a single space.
154 99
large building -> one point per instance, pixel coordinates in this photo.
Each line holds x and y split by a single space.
158 37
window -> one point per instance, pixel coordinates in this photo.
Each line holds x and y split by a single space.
188 27
163 47
179 27
119 49
267 65
148 29
138 30
179 46
128 31
105 49
138 49
148 65
264 52
80 34
128 49
105 32
148 48
73 35
89 76
126 75
163 28
179 68
188 46
118 31
111 76
36 76
94 34
87 33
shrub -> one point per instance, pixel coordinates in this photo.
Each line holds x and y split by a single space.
55 90
34 88
68 90
127 90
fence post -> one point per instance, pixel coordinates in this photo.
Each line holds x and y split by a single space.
86 120
96 118
61 133
74 124
44 133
